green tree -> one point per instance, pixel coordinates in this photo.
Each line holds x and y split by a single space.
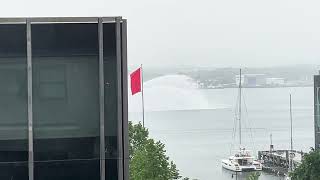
253 176
138 137
148 159
309 169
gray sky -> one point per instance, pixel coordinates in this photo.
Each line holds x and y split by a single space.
201 32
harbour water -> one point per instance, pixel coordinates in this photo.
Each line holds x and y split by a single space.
197 139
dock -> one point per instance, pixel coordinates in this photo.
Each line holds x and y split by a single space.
278 161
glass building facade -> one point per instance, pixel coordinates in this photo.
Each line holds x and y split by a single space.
317 110
63 99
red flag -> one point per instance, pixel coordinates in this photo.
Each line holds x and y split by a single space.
136 81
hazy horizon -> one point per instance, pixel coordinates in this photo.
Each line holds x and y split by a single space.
246 33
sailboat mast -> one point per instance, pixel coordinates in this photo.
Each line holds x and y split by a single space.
291 143
240 109
291 123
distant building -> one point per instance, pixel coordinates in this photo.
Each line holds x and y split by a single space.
251 80
275 81
63 107
317 110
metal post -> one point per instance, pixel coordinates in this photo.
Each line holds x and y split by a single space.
291 141
236 174
101 100
317 116
240 110
30 110
142 95
291 144
125 101
315 111
271 144
119 98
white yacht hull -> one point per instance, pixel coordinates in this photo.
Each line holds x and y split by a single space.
233 167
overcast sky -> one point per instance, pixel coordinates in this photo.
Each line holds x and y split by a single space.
201 32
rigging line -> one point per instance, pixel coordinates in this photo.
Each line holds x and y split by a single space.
248 119
234 129
235 118
232 138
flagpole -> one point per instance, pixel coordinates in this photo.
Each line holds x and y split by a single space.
142 97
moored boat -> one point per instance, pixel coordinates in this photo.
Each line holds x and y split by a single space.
242 159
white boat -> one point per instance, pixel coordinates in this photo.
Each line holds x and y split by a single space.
242 159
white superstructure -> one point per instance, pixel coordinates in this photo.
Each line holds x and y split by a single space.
241 161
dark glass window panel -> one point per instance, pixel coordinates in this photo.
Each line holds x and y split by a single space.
111 93
18 170
76 39
66 101
52 82
111 169
52 91
13 102
13 41
69 170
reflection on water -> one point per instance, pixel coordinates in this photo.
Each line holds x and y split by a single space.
236 175
244 175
